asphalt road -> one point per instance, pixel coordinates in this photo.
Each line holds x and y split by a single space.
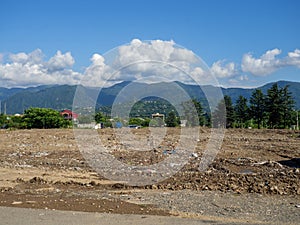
22 216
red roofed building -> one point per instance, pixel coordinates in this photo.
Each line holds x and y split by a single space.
69 115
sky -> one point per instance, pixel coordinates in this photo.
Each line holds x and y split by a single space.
244 43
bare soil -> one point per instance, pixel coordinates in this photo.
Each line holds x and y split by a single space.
255 177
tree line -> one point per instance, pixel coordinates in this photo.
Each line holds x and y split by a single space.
275 109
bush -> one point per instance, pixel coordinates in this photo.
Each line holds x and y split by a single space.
44 118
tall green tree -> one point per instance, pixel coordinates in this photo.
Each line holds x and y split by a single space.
200 113
229 111
257 107
287 106
219 115
241 111
274 103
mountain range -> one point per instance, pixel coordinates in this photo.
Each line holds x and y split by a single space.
59 97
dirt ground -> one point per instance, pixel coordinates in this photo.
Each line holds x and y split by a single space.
255 177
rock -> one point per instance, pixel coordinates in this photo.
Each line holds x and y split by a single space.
154 187
17 203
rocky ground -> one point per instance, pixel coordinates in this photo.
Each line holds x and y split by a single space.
255 177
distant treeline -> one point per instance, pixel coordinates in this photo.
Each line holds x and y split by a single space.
41 118
275 109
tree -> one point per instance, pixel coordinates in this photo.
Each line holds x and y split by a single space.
223 115
200 113
219 115
193 113
279 106
99 117
3 120
44 118
241 111
287 106
257 106
229 111
171 120
274 108
136 121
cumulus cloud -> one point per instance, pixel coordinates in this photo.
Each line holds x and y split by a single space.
155 61
223 71
264 65
293 58
98 73
60 61
144 51
269 62
152 61
34 57
294 54
30 69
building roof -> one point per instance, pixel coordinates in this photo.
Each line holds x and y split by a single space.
70 113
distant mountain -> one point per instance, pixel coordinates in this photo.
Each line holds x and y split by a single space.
7 92
57 97
61 96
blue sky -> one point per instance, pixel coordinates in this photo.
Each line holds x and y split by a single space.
245 43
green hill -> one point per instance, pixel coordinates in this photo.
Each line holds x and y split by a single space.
61 96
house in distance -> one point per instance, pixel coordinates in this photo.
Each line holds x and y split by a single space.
69 115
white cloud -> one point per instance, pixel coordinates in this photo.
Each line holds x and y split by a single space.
294 54
60 61
30 69
264 65
152 61
223 71
269 63
293 58
19 58
32 58
97 73
144 51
